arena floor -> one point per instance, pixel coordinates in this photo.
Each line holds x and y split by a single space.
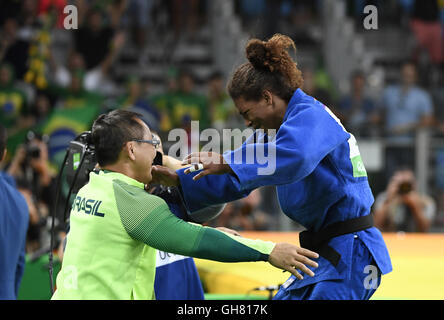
418 264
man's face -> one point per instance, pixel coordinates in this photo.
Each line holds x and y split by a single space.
216 85
5 76
95 21
144 155
408 74
358 83
186 83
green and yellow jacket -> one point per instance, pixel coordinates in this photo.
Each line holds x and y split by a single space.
115 229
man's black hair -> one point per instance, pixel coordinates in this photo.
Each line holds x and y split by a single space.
3 140
186 72
111 131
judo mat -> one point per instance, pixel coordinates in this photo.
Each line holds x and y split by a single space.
417 259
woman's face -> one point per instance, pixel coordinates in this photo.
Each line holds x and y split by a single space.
263 114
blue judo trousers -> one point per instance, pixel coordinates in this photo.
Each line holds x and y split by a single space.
320 178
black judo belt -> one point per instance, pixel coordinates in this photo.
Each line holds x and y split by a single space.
318 241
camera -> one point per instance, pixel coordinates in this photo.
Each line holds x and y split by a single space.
405 187
31 149
80 161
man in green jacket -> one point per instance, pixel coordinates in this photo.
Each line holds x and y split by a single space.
116 226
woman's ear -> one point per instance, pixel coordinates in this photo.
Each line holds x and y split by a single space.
268 97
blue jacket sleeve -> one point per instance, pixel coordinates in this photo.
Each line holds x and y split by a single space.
303 140
208 191
306 137
20 269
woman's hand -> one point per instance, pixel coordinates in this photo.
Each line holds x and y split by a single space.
211 163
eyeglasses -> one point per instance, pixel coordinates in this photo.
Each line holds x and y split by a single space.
152 142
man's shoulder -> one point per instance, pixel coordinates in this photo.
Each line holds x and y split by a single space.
135 197
420 93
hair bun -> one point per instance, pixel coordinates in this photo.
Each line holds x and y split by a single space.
271 55
257 54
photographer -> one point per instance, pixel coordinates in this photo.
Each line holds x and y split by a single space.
34 180
401 207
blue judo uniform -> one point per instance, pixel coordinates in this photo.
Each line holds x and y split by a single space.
320 180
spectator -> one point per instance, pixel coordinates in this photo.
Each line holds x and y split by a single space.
13 50
138 16
76 95
74 111
437 92
135 99
28 19
96 79
14 221
164 100
13 102
41 109
9 9
187 105
53 7
312 88
407 108
221 107
426 26
251 11
30 169
438 102
402 208
94 39
357 111
187 16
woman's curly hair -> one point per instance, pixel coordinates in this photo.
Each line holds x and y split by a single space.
270 67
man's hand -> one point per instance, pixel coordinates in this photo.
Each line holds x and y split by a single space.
213 163
164 176
290 258
412 199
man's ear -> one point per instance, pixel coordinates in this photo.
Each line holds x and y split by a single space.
130 150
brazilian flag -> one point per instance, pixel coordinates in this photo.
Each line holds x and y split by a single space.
64 125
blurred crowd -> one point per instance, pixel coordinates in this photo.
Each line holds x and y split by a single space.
45 102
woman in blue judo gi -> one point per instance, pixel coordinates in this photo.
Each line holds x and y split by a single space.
317 169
